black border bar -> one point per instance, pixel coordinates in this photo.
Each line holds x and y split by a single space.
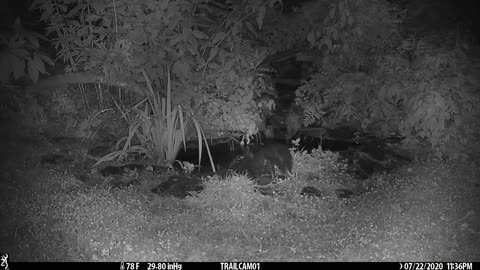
243 265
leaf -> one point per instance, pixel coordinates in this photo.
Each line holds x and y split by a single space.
343 21
221 56
74 11
261 16
199 34
219 36
23 53
46 59
38 63
334 34
341 7
206 45
92 18
351 20
251 29
32 70
213 53
176 39
358 31
64 8
181 68
331 14
33 40
17 25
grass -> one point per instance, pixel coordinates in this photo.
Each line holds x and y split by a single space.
426 212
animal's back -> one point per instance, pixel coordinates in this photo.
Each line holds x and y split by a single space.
275 154
262 161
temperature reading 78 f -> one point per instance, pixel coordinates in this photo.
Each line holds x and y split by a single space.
132 266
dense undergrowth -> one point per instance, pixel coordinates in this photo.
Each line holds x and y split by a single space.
422 212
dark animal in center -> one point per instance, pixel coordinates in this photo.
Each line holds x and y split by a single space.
264 161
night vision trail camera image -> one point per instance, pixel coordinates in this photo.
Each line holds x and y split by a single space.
239 132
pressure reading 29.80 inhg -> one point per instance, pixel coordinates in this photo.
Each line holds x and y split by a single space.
150 266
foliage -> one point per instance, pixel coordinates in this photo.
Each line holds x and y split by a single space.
213 67
369 75
318 168
378 81
428 99
233 201
353 33
159 129
20 55
282 31
440 99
